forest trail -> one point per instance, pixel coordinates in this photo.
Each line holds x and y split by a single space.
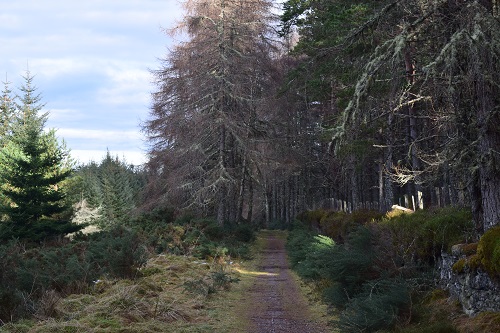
274 302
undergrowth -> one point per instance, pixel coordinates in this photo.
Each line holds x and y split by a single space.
33 277
376 270
158 301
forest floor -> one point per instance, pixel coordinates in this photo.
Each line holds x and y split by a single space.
276 300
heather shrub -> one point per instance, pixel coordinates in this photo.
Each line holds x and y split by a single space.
312 218
422 236
337 225
200 237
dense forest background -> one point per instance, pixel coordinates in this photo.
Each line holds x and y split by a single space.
324 111
335 104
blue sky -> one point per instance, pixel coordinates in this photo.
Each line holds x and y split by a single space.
91 62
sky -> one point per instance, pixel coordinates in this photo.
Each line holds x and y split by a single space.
91 62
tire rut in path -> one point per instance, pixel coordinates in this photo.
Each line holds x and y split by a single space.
277 303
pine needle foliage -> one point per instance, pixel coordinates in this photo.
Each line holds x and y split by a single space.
33 166
376 307
108 191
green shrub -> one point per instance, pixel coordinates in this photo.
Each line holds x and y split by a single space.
237 249
151 220
244 233
297 244
27 274
117 253
376 307
349 267
358 279
213 231
317 258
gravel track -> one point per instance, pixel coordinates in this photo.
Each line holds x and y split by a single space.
277 303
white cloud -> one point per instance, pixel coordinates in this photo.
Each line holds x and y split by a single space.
92 145
126 85
104 136
61 116
58 67
9 21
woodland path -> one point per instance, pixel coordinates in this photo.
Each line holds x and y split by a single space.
276 302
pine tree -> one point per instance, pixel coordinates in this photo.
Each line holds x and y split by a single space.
32 166
444 107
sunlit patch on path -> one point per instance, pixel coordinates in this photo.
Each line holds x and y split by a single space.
276 302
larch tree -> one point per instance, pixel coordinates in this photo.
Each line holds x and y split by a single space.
207 113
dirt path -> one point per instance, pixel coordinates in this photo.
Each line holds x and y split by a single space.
277 304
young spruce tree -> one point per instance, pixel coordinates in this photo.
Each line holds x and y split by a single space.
32 166
7 112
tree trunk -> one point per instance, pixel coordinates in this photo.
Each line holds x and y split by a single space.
221 201
388 196
413 133
490 178
250 201
489 142
268 200
476 203
241 192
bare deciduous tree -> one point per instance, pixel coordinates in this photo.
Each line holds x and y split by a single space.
208 110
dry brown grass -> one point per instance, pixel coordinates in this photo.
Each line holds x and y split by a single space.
155 302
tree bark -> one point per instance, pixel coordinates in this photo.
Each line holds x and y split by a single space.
221 201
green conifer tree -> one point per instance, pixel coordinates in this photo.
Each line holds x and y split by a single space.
7 112
32 166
